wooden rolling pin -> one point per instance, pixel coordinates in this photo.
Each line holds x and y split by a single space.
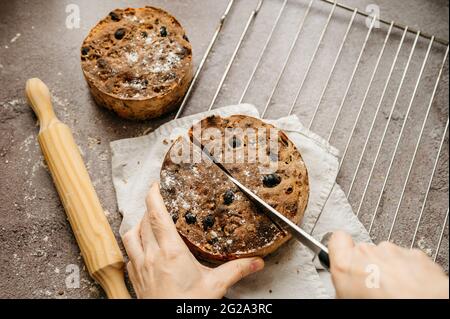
93 233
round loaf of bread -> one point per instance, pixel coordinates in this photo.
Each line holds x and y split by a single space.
216 220
137 62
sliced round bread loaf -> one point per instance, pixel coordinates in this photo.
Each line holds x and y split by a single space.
137 62
216 220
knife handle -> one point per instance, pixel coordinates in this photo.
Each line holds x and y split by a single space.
97 243
324 259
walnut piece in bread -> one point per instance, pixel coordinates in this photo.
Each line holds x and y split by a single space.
216 220
137 62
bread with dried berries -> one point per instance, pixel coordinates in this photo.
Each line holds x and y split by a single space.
137 62
216 220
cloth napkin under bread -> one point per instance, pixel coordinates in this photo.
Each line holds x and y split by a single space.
291 272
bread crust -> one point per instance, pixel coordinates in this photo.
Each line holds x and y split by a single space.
199 189
137 62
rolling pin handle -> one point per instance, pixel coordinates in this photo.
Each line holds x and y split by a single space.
40 101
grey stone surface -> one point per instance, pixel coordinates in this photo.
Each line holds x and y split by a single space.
36 241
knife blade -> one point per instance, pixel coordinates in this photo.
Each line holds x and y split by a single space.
301 235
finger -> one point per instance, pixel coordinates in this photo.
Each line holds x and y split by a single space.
390 249
340 247
148 239
132 243
162 225
132 274
233 271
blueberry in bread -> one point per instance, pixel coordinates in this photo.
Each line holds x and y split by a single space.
212 215
137 62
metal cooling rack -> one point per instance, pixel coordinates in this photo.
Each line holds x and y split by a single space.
371 199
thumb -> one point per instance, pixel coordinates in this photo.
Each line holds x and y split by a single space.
233 271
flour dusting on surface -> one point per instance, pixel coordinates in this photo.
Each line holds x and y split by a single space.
15 38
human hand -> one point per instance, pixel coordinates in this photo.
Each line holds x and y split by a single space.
384 271
161 265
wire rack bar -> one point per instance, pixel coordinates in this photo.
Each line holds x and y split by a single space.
422 129
288 57
380 55
338 55
397 144
313 57
386 126
438 248
430 181
397 25
269 38
366 94
204 58
358 61
377 111
251 18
